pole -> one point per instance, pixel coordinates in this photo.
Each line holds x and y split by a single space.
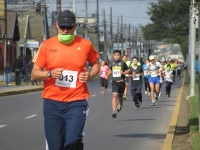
122 44
5 36
193 49
105 47
136 42
86 19
58 7
140 50
118 33
111 31
74 11
98 43
199 63
129 39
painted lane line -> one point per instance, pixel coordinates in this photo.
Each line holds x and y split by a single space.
93 95
1 126
31 116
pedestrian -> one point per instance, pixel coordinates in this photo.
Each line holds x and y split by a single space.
104 76
136 73
17 69
169 79
65 79
128 63
29 70
7 71
24 67
146 76
118 71
154 79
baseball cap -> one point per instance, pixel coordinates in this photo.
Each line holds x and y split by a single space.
66 18
151 57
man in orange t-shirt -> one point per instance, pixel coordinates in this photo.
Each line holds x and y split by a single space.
65 91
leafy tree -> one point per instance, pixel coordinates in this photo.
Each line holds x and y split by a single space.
170 23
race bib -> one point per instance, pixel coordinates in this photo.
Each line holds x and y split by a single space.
153 74
145 72
67 79
116 71
136 77
103 73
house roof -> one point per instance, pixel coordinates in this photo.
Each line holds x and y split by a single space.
11 19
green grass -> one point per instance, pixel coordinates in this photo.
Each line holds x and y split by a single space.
193 118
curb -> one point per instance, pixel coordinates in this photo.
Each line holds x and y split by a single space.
167 145
8 93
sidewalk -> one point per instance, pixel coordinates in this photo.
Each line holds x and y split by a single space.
6 90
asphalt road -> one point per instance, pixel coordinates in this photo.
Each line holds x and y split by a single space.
21 122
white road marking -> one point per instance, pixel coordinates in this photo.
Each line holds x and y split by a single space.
109 90
1 126
93 95
31 116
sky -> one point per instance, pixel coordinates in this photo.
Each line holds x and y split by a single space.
133 11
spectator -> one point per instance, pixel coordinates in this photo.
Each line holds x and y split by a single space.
17 69
24 67
7 71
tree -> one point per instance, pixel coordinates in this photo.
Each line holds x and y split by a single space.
170 23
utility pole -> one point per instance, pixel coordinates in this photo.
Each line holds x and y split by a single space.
5 35
118 33
140 50
105 47
111 32
129 39
74 11
136 42
97 27
86 19
199 63
58 6
122 44
193 49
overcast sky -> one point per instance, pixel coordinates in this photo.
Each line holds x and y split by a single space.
133 11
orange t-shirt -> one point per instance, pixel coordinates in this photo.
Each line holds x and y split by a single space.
72 57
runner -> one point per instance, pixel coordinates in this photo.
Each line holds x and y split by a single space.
154 79
136 73
173 68
61 63
118 71
168 79
104 76
179 68
128 63
146 82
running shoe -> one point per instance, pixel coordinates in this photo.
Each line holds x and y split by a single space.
137 105
119 107
145 92
153 103
114 115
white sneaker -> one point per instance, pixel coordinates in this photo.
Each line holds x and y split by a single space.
145 92
9 84
153 103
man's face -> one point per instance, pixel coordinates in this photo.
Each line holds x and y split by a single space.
135 61
116 56
147 61
124 58
66 29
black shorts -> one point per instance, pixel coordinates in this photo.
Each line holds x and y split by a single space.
104 82
118 87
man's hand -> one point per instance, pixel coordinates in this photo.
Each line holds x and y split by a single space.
84 76
121 72
56 73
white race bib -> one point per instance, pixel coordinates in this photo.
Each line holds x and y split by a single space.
103 73
153 74
67 79
136 77
116 71
145 73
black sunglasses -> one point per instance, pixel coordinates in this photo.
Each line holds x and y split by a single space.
66 27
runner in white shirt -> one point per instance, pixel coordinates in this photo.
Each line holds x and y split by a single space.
154 68
168 79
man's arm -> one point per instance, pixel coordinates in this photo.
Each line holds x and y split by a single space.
39 75
87 76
